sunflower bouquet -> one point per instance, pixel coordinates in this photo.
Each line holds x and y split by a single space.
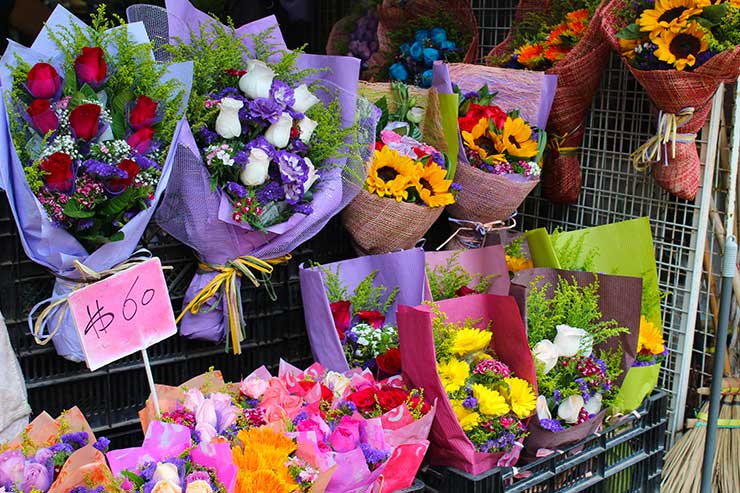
563 38
680 51
408 181
502 151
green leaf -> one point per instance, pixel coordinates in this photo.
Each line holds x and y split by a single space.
119 102
88 92
74 210
98 239
714 13
118 124
632 31
136 481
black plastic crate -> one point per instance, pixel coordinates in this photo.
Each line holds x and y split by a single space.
625 457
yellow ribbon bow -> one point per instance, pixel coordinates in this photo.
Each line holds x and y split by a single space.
226 281
655 148
555 143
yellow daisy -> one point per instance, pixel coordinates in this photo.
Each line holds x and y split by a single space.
467 418
452 374
432 186
520 396
515 264
517 139
391 174
681 49
469 341
490 402
651 339
667 16
484 143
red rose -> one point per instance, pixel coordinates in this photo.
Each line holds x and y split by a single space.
390 398
143 113
43 118
90 67
326 394
363 399
43 81
389 362
496 114
371 317
416 400
477 112
84 120
379 145
59 177
465 291
340 312
141 140
120 184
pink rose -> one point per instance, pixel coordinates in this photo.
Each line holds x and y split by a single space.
346 436
313 424
253 387
292 404
390 137
274 414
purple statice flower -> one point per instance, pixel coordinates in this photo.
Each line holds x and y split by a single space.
144 162
303 208
552 425
148 486
455 186
301 416
251 403
100 169
85 489
241 158
102 444
470 402
207 135
556 396
601 364
438 159
195 436
77 440
471 95
230 92
147 471
373 456
262 110
180 464
230 432
282 94
61 448
129 215
273 191
350 406
351 336
703 58
197 476
84 224
236 189
294 173
514 63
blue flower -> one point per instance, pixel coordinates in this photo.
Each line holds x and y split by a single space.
431 55
416 51
426 78
236 189
421 35
398 72
405 49
439 35
447 45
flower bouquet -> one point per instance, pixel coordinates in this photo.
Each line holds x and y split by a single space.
485 380
356 34
276 138
54 455
583 341
88 116
408 181
343 299
517 255
623 248
412 35
454 273
680 52
563 38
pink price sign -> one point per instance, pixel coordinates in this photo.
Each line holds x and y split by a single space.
123 314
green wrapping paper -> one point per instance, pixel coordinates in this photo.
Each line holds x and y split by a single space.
625 249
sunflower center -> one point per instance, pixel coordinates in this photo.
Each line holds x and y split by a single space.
425 184
386 173
485 144
514 142
671 14
684 45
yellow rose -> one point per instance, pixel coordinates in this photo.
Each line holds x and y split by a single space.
166 486
490 402
199 486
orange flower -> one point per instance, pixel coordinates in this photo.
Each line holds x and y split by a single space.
556 53
578 16
554 37
530 55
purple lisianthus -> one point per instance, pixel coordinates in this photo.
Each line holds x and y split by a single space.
294 172
236 189
261 143
282 94
298 146
262 110
78 439
552 425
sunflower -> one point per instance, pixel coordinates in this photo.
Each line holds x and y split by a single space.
530 54
481 141
452 374
520 396
490 402
390 174
681 49
517 140
469 341
667 16
627 47
650 339
467 418
432 186
263 438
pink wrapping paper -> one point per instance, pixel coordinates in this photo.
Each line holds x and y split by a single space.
449 444
486 261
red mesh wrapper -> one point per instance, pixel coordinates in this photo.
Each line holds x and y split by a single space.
672 91
579 74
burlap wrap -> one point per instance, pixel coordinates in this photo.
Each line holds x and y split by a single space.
671 91
338 41
579 74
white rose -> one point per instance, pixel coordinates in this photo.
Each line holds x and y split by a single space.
543 412
415 114
337 382
166 471
199 486
593 406
165 486
304 99
256 83
278 134
312 175
255 171
228 125
307 126
570 408
546 353
571 340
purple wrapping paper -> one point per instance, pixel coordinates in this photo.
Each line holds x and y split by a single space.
404 269
45 244
189 210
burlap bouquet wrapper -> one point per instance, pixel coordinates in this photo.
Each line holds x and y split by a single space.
393 15
339 37
685 95
579 74
620 299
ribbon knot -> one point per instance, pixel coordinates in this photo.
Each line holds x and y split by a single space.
655 148
225 284
555 143
479 231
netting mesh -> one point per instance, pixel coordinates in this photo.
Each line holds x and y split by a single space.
155 23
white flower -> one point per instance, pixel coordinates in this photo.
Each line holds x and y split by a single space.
593 406
307 126
167 486
278 134
256 83
415 114
571 340
255 171
312 175
337 382
166 471
228 125
546 353
199 486
304 99
570 408
543 412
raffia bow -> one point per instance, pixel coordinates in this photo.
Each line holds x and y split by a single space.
478 230
555 143
225 284
656 147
